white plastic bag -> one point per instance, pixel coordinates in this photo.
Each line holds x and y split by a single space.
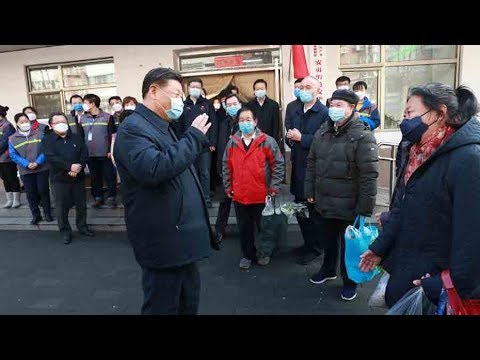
269 209
377 299
410 304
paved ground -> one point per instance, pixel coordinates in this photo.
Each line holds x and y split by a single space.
40 275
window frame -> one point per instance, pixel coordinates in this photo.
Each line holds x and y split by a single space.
63 89
383 64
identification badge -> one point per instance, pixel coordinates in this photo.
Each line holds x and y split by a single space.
89 136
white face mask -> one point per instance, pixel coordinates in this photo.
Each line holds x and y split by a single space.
24 127
86 107
360 94
32 116
117 107
130 107
343 87
61 128
217 106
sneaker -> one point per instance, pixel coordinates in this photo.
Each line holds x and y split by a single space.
111 203
320 278
263 260
245 263
349 292
98 203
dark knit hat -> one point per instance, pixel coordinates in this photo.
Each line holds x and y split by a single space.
346 95
3 110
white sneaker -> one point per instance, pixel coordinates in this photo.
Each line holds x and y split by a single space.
245 263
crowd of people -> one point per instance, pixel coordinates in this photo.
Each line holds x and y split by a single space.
170 150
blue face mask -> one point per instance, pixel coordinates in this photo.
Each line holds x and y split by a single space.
413 129
224 106
305 96
176 107
337 114
246 127
78 107
296 92
260 93
194 92
233 110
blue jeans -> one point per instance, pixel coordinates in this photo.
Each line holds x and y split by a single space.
202 165
172 291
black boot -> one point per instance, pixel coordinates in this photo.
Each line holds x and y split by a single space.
67 238
36 219
48 215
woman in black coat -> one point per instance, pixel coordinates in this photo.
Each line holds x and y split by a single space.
434 224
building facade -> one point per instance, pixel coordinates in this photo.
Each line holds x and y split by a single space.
46 77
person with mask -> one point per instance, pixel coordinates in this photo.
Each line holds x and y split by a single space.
305 122
66 155
32 115
8 169
433 225
98 128
289 113
226 129
129 103
165 210
342 83
195 105
115 103
24 149
252 169
341 183
76 103
367 110
220 115
267 110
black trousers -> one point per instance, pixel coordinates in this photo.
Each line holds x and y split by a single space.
8 173
38 191
309 229
223 212
332 233
66 195
173 291
202 165
249 219
100 168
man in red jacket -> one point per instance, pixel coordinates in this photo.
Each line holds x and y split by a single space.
252 169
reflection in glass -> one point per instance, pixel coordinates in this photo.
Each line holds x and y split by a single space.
45 104
359 54
419 52
45 79
88 74
399 79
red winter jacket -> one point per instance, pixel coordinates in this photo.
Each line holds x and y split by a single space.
251 175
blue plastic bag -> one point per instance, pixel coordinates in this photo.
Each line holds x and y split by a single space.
356 243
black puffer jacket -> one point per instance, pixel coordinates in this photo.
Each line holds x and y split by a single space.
342 170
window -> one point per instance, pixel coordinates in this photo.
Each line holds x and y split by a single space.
392 69
51 86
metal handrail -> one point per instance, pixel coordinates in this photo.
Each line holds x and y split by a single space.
392 161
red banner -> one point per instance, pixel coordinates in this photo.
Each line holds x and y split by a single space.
228 61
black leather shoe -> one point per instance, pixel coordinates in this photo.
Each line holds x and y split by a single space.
307 258
219 236
67 238
98 203
48 216
36 220
87 232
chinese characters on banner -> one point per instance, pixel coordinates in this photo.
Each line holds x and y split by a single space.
318 64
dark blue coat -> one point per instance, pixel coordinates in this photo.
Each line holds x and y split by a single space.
165 212
191 111
307 123
434 224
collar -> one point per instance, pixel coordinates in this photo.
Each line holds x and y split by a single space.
253 137
69 135
317 107
152 117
